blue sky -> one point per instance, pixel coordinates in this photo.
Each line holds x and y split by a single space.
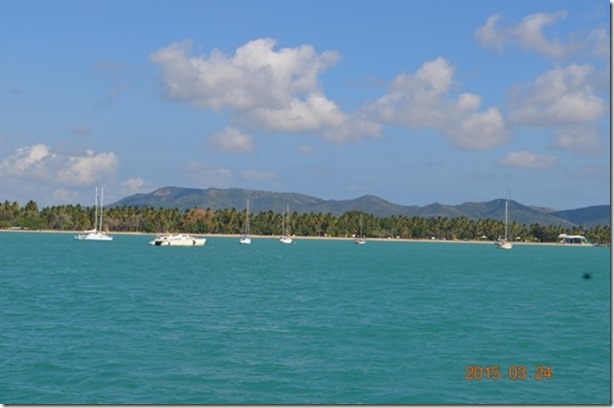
413 101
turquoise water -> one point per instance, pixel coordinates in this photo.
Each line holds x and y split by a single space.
317 322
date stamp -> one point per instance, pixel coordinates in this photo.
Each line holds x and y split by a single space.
510 373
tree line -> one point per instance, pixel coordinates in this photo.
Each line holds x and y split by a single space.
231 221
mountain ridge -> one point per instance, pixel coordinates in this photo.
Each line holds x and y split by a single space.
184 198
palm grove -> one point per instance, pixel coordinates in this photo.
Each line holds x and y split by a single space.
231 221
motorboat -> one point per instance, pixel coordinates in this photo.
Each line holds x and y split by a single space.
178 240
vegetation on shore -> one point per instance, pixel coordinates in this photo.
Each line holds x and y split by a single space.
231 221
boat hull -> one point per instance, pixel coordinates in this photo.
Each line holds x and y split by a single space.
94 236
178 240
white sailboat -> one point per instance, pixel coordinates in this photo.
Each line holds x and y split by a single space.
360 239
96 234
504 243
285 227
245 238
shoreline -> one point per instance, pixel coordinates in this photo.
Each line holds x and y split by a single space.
295 237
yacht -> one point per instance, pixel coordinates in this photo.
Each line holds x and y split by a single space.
360 239
246 239
178 240
504 243
285 227
95 234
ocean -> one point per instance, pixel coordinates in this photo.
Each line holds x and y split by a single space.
314 322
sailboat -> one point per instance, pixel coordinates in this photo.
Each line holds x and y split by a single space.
360 239
245 238
504 243
95 234
285 227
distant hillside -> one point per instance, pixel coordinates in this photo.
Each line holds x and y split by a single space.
588 217
261 201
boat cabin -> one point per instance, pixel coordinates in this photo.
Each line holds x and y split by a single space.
573 239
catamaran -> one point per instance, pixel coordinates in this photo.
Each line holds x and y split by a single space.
178 240
95 234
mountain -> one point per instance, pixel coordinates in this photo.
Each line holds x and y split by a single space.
261 201
588 216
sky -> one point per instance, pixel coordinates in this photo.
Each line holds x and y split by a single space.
414 101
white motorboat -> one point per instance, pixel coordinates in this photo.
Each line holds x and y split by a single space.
178 240
95 234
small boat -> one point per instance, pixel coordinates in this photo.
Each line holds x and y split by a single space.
360 239
178 240
285 227
504 243
574 240
95 234
245 238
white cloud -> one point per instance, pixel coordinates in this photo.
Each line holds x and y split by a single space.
231 140
489 35
424 100
579 139
529 35
564 101
261 87
561 95
255 76
527 159
39 163
133 184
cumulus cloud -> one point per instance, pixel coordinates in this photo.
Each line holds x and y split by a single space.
489 35
564 101
579 139
424 100
529 35
528 159
133 184
256 75
40 163
231 140
262 87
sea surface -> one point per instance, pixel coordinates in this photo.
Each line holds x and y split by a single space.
315 322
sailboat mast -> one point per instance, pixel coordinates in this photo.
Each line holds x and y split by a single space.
101 194
506 219
96 210
247 218
288 222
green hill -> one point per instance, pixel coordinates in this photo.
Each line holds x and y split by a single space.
262 201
